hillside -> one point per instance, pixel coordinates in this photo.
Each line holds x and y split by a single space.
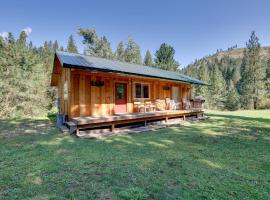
238 53
223 72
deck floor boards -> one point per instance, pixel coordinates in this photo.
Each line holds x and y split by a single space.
133 116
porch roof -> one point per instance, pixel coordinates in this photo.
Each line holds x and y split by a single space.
79 61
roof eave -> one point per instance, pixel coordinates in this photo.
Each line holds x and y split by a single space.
121 72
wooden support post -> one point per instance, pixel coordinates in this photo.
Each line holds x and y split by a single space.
112 127
184 117
166 119
145 123
77 131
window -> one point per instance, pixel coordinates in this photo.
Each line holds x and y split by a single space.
141 90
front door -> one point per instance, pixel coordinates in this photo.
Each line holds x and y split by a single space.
175 94
120 98
175 97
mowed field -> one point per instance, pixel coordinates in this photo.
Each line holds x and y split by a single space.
224 157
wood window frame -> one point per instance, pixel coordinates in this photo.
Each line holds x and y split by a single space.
142 84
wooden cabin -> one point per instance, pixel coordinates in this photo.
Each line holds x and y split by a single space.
95 91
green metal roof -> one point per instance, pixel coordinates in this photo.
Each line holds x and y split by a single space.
79 61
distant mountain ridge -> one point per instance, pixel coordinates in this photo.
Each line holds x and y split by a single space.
237 53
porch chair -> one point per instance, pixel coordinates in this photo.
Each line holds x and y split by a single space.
150 106
168 103
186 104
160 104
175 105
140 106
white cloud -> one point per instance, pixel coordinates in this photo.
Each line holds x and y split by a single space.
4 35
27 30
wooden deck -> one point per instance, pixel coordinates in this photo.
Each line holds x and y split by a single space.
78 123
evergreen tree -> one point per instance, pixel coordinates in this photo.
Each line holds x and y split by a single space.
24 81
252 74
148 61
10 38
203 74
96 46
55 46
236 76
217 89
232 97
71 47
103 48
22 38
165 58
132 52
120 52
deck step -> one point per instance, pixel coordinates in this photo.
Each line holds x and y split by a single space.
72 126
64 129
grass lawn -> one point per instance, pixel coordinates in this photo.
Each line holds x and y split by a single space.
224 157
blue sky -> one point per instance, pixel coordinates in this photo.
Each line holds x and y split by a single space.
195 28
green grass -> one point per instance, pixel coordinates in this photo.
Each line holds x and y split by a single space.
225 157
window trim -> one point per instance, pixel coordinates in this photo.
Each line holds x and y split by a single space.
142 84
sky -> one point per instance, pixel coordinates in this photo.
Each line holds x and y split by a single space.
195 28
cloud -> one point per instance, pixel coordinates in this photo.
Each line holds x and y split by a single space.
27 30
4 35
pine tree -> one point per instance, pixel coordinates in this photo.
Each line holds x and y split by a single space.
165 58
203 74
132 52
22 38
10 39
236 76
217 88
103 48
252 74
232 97
55 46
148 61
71 47
120 52
95 45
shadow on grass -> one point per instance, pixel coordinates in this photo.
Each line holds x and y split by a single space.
16 127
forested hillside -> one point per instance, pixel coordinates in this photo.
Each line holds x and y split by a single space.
238 77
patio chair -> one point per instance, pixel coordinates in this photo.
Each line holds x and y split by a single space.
186 104
175 105
160 104
150 106
139 106
168 103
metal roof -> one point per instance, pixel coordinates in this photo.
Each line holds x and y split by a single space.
73 60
